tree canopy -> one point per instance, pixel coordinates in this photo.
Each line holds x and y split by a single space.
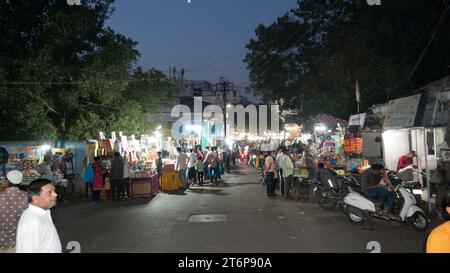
312 56
64 74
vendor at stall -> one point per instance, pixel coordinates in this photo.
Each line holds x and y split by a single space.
159 166
44 168
405 166
405 160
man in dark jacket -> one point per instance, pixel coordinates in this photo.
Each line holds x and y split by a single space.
116 176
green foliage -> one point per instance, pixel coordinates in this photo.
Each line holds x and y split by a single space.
64 75
312 56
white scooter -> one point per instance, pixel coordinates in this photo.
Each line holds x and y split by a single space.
358 206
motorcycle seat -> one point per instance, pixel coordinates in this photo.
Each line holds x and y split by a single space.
365 194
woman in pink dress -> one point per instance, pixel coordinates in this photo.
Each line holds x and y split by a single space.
98 179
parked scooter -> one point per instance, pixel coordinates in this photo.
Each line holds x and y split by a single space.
359 206
413 187
330 193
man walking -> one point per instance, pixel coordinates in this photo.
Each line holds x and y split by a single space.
192 175
206 170
270 168
212 161
181 167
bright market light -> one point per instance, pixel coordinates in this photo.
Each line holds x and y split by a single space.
45 148
320 128
417 192
229 142
159 127
329 182
305 137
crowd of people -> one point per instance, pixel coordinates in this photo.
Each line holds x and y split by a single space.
199 165
27 224
115 182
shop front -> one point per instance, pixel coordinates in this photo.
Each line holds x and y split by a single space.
59 161
410 125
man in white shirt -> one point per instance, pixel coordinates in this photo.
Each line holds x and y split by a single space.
192 175
280 170
36 232
212 160
181 167
285 163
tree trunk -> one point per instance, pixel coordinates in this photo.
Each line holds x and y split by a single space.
63 128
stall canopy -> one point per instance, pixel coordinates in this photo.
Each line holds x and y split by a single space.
330 120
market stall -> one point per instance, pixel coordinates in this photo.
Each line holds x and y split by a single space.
140 153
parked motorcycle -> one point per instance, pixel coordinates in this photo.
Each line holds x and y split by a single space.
330 193
359 206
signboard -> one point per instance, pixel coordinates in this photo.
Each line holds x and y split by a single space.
357 119
353 145
402 112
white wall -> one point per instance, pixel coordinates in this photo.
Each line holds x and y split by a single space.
417 138
395 144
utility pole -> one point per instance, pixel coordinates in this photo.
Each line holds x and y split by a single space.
224 110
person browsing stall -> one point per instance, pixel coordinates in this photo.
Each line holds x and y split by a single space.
270 167
284 162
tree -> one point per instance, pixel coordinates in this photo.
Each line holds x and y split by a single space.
312 55
66 67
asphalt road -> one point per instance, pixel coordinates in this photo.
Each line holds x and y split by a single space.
235 216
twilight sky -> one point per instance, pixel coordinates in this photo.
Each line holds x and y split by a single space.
189 35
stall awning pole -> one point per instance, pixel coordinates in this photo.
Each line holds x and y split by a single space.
426 168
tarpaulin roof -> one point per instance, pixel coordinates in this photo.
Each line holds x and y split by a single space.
330 120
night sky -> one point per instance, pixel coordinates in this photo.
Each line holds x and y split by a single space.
189 35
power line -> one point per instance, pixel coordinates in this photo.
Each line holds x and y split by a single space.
436 31
215 62
433 36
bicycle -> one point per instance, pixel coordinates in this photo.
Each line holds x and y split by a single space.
261 177
66 187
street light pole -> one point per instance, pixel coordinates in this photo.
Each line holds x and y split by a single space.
224 110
